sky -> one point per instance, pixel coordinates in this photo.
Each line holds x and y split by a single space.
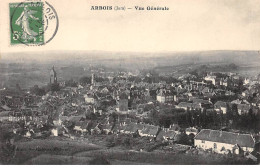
190 25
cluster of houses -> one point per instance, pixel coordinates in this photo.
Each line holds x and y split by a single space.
215 140
198 94
66 110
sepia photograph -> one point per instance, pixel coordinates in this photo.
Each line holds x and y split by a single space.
130 82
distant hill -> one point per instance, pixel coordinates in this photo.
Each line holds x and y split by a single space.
134 60
29 69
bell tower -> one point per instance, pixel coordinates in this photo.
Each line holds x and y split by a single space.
53 76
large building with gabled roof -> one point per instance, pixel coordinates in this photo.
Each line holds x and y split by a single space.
223 141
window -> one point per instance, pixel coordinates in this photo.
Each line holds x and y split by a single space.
215 145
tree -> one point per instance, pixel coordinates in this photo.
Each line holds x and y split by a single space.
37 91
53 87
7 147
182 139
153 116
91 116
71 83
165 120
85 80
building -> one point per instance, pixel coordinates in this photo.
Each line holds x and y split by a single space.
89 98
53 76
243 109
224 142
221 106
123 102
184 105
191 130
57 131
93 79
164 96
149 131
246 81
211 79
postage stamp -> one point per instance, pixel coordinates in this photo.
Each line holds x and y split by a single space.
32 23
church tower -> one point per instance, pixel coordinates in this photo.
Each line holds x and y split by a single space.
53 76
93 79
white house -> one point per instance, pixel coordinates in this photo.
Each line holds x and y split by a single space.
54 132
191 130
57 131
211 78
89 98
223 142
246 81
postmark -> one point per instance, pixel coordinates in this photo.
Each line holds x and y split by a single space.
32 23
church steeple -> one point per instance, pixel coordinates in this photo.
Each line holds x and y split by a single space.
93 79
53 75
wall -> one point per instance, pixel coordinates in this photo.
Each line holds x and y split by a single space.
210 144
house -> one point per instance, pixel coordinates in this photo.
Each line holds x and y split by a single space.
149 131
95 129
246 81
57 131
131 128
184 105
16 116
245 93
161 134
176 128
191 130
243 108
169 135
164 96
118 128
224 82
59 120
4 116
237 101
255 155
5 107
28 134
107 127
220 106
81 126
205 90
210 78
75 119
89 98
203 103
223 142
190 106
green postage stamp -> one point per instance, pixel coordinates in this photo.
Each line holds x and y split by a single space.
32 23
27 24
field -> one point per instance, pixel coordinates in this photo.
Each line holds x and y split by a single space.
64 147
62 151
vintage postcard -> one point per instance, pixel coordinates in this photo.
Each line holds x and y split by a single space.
130 82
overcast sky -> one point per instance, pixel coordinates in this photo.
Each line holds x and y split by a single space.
189 25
